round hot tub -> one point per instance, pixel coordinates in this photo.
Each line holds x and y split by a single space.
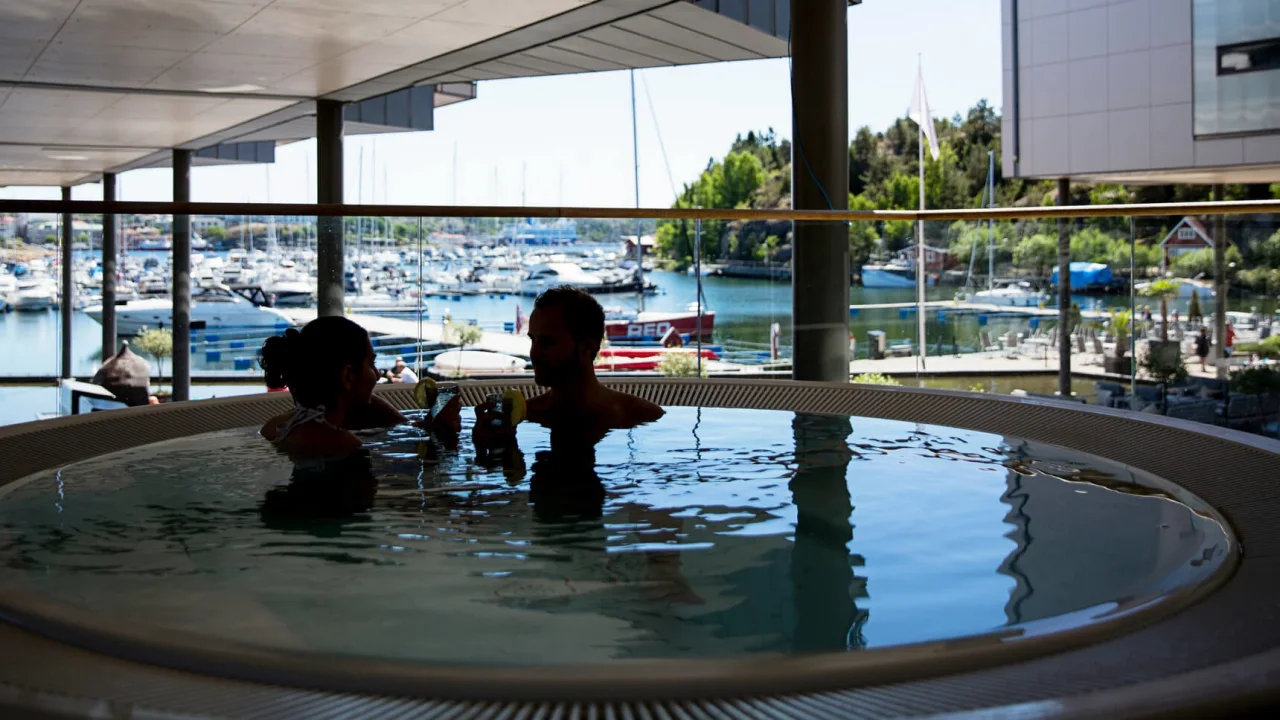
776 543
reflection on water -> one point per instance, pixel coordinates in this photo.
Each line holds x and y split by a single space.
710 533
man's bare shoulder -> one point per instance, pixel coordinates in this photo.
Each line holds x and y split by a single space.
633 410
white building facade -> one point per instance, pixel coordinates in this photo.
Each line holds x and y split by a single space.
1142 91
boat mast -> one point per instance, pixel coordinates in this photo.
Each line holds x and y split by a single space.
635 153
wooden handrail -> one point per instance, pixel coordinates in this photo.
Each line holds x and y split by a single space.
95 207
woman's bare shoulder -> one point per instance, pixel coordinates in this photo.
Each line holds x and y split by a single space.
317 440
271 427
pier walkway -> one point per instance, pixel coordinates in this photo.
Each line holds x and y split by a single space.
433 333
968 308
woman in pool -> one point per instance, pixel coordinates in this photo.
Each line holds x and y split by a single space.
329 369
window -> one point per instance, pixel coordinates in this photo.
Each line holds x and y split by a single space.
1249 57
1186 234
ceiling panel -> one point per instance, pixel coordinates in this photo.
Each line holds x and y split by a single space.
718 26
328 76
54 105
78 160
49 178
602 51
620 38
575 59
391 8
509 67
204 70
655 27
305 33
507 14
101 64
529 60
33 19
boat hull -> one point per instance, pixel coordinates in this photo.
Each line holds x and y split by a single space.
655 325
873 277
130 321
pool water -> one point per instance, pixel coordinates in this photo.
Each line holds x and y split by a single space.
711 533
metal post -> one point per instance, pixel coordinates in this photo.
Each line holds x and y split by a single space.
820 181
108 269
68 287
1133 307
329 234
1220 286
181 292
1064 293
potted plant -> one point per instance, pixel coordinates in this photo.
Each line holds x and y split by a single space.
1121 325
158 343
1164 290
1164 369
464 335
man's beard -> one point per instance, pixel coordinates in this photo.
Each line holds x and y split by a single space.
559 374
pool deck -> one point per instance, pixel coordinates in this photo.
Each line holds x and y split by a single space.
998 363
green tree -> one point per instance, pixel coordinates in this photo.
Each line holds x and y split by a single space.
862 234
1036 253
1199 264
1194 314
217 233
1092 245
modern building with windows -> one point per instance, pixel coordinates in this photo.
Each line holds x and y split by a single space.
1142 91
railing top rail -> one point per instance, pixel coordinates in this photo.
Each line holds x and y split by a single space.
92 207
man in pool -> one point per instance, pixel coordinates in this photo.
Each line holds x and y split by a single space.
566 330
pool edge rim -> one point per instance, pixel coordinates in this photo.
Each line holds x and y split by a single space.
1220 578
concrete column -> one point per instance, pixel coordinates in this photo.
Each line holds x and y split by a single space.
181 291
820 181
109 346
329 233
1064 291
68 287
1219 284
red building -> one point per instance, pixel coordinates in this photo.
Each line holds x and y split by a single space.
1187 236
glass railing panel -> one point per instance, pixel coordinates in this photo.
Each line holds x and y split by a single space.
423 287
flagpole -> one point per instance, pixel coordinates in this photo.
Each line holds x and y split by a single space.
920 277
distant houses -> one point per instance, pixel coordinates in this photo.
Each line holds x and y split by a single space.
1188 236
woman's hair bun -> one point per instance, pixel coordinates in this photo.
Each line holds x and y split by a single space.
280 355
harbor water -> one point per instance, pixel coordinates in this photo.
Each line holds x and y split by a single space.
745 310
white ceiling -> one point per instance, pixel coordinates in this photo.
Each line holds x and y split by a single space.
118 80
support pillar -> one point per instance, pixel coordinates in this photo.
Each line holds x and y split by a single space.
1219 285
68 287
329 233
109 341
820 181
181 291
1064 292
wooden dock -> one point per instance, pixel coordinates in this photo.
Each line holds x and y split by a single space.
433 333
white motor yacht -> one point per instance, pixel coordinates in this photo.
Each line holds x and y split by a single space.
553 274
212 306
34 293
1010 293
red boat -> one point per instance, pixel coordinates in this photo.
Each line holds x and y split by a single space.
617 359
653 325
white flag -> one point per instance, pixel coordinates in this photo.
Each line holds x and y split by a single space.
920 113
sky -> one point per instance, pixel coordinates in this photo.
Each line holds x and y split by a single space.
567 140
